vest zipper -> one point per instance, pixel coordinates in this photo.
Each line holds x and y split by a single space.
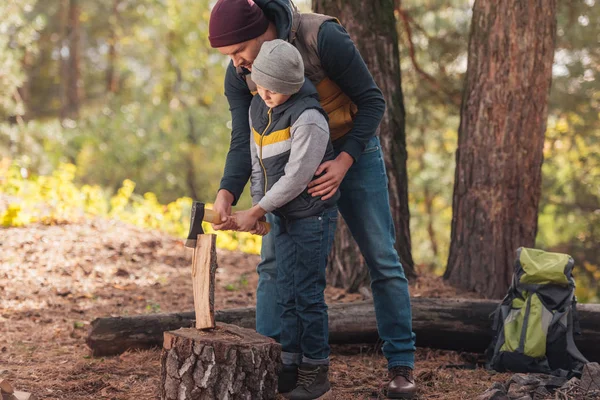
262 135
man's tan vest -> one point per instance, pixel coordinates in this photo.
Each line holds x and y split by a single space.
339 107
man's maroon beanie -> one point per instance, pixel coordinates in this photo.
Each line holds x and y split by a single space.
235 21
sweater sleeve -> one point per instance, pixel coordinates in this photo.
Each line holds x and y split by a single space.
238 165
310 135
344 65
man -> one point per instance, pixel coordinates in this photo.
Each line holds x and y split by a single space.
355 107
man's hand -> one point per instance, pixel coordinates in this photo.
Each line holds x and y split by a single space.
222 206
247 220
336 170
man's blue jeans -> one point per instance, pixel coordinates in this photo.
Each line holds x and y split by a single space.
364 204
301 249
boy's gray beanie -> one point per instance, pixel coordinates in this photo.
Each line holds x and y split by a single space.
278 67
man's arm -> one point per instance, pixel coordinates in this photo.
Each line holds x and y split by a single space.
344 65
310 135
238 165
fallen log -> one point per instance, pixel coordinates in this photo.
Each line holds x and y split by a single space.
452 324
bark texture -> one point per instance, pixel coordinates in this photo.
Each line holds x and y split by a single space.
500 141
228 362
372 26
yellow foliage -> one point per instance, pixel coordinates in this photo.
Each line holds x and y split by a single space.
562 125
14 216
587 276
57 199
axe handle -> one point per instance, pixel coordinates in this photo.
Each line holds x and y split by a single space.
213 218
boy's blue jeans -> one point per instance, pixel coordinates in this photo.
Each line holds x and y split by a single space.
301 250
364 204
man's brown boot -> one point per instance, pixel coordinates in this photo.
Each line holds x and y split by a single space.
402 384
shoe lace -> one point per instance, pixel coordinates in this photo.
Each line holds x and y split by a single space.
306 377
403 371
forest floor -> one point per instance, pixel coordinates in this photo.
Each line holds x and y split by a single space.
54 280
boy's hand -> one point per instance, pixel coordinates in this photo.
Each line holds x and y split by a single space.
247 220
222 206
260 229
336 170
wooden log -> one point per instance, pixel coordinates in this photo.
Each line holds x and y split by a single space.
452 324
204 266
227 362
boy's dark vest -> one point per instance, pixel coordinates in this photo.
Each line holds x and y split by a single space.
338 106
271 133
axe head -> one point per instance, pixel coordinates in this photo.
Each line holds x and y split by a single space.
195 224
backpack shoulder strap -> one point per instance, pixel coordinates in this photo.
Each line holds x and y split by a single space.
571 346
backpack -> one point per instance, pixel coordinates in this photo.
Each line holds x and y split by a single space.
534 325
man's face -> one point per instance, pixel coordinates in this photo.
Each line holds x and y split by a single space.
272 99
243 54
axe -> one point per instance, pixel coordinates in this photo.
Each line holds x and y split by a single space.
199 214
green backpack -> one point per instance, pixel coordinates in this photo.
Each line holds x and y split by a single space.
535 323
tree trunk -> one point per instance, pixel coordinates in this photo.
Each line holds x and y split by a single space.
193 134
500 141
72 67
452 324
227 362
24 91
428 198
64 65
111 71
372 26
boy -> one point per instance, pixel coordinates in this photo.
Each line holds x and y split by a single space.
290 139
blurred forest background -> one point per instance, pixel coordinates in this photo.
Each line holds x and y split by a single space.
99 95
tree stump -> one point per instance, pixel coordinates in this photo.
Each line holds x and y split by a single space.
224 363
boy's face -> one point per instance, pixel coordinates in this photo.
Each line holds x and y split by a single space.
272 99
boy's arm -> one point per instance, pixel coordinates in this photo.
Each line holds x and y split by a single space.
256 183
238 164
310 136
344 65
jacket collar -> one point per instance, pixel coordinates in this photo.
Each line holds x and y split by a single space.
307 90
280 13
